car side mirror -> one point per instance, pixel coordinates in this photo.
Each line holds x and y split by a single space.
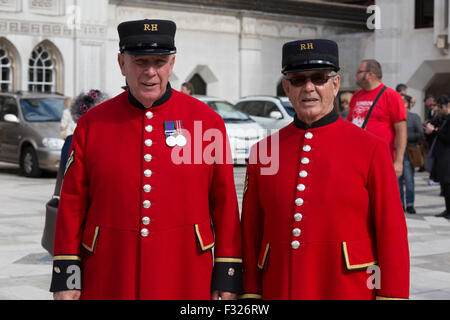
276 115
11 118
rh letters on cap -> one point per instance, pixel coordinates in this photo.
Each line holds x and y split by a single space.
306 46
150 27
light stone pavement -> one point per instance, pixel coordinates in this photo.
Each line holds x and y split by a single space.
25 267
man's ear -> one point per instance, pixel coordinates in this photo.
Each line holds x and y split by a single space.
121 62
336 84
286 87
172 63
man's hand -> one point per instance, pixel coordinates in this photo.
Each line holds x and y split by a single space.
67 295
224 295
398 167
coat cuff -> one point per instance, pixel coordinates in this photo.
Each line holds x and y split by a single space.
227 275
66 273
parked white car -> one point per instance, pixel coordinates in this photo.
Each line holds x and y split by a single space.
243 132
270 112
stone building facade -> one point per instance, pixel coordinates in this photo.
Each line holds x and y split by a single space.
229 49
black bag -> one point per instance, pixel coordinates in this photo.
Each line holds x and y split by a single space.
51 210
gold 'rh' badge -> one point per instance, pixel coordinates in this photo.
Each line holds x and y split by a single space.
306 46
150 27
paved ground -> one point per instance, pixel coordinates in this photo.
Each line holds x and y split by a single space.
25 267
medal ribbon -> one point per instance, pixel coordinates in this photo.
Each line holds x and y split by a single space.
179 127
169 128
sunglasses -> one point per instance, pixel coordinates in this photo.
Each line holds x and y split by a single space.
318 79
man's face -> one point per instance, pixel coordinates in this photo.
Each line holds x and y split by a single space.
311 101
430 102
147 75
185 90
361 75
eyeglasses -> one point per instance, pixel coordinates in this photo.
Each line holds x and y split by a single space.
318 79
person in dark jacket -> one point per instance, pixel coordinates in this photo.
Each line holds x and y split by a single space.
441 167
415 135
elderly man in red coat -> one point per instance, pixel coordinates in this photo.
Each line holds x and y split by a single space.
144 199
329 224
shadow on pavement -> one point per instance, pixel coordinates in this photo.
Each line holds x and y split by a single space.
14 170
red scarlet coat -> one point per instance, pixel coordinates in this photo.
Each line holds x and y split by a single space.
139 225
332 210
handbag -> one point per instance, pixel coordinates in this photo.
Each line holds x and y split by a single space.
415 156
51 210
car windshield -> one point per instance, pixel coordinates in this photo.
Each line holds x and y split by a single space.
288 106
227 111
42 109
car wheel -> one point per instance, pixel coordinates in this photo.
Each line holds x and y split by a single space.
29 163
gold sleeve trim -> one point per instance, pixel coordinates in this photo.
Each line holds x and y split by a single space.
261 266
236 260
94 241
354 266
56 258
200 240
250 296
386 298
245 184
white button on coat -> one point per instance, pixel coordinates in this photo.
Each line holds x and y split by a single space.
308 135
149 114
305 161
295 244
298 217
147 188
149 128
144 232
146 204
303 174
307 148
148 173
146 221
301 187
299 202
148 142
296 232
148 157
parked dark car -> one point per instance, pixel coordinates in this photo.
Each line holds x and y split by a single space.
29 131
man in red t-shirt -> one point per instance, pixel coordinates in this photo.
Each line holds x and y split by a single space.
388 117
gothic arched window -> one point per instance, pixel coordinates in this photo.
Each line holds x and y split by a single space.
6 70
41 72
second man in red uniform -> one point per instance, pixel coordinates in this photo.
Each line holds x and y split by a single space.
332 212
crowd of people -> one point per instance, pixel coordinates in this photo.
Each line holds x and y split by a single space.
421 134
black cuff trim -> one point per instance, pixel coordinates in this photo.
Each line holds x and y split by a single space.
227 276
66 274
